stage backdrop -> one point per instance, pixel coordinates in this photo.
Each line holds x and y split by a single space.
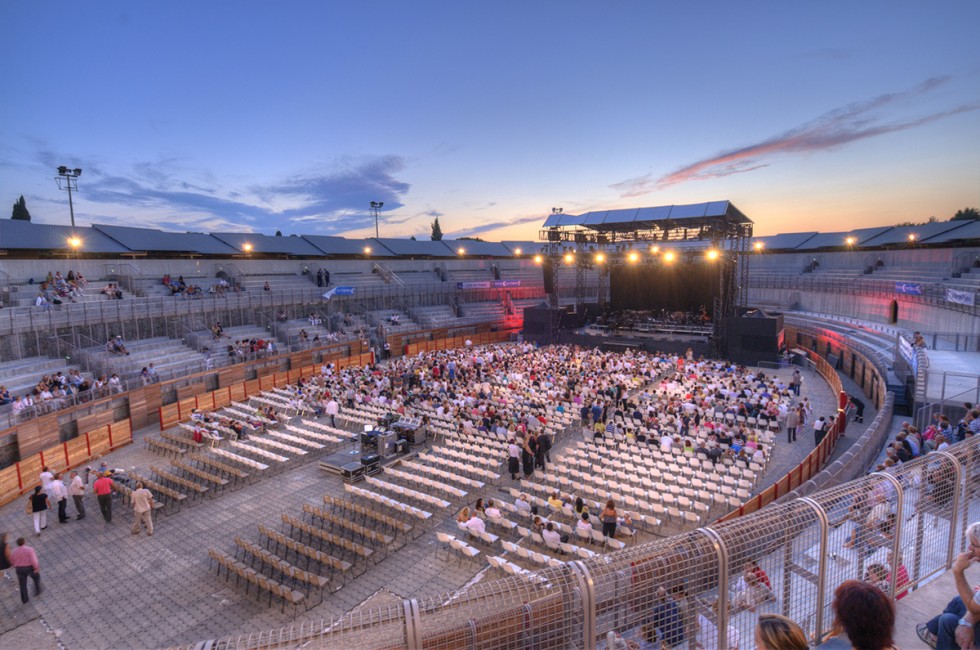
680 287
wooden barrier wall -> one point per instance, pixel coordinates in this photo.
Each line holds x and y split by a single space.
22 476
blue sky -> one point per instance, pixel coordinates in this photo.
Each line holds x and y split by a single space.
257 116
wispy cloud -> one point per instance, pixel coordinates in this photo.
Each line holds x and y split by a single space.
327 202
850 123
496 225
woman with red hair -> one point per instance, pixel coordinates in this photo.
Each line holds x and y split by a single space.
865 615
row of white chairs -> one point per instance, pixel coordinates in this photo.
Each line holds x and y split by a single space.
425 481
237 458
381 499
296 440
258 451
275 444
441 473
408 493
459 467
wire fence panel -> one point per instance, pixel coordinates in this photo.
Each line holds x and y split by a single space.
531 610
774 566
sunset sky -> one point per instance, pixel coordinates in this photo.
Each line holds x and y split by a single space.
256 116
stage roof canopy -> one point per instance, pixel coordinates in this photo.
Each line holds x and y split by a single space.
693 215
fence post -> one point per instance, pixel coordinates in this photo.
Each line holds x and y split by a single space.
109 429
722 552
896 543
957 494
821 566
413 628
587 587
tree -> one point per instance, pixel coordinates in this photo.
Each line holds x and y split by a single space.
413 238
436 230
966 214
278 233
469 239
21 213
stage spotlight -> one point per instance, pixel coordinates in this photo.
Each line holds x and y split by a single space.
569 258
654 249
712 254
599 258
633 257
759 245
538 259
669 257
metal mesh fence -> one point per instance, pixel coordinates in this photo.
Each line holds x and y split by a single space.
895 529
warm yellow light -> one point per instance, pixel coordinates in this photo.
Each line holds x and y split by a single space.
367 250
911 236
654 249
633 257
569 258
669 256
851 241
712 254
74 242
759 245
461 250
538 259
247 247
517 251
600 258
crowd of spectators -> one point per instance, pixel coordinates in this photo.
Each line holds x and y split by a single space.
57 288
628 319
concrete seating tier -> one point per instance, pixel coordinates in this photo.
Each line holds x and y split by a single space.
166 355
20 376
416 278
405 324
482 312
290 330
435 316
356 280
470 275
291 282
24 294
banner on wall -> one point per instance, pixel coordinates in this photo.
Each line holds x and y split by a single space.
961 297
473 285
339 291
503 284
912 288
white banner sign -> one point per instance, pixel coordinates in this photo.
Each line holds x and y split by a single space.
960 297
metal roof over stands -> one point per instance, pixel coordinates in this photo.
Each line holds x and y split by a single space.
24 235
148 239
268 244
969 230
410 248
785 241
343 246
900 234
478 248
834 239
526 247
648 217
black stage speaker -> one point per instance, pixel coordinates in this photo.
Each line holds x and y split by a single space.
549 275
756 336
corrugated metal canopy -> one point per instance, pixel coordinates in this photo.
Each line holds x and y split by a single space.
481 248
526 247
969 230
24 235
785 241
695 214
148 239
343 246
268 244
900 234
411 248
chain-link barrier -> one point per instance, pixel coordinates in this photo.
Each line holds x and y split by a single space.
895 529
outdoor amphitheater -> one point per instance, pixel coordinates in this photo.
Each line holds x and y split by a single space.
313 413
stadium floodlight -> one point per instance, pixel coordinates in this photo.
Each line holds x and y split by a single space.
376 208
517 251
633 257
461 251
669 257
367 250
538 259
712 254
599 258
569 258
74 242
557 210
912 236
247 247
67 179
850 241
759 246
654 249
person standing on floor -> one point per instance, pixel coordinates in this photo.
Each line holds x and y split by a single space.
76 489
60 494
103 490
142 510
25 564
792 424
4 555
37 507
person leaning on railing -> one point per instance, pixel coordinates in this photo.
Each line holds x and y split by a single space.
957 626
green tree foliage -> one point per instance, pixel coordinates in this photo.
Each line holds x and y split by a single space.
966 214
21 213
436 230
278 233
470 239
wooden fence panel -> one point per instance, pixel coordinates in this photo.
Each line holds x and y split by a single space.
238 392
31 437
222 397
121 433
185 406
30 470
191 390
77 450
231 375
54 458
9 484
95 420
206 401
169 416
99 441
252 387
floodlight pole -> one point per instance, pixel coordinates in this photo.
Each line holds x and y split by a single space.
70 177
376 207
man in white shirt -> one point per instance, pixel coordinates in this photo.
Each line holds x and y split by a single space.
552 538
58 493
475 525
76 489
